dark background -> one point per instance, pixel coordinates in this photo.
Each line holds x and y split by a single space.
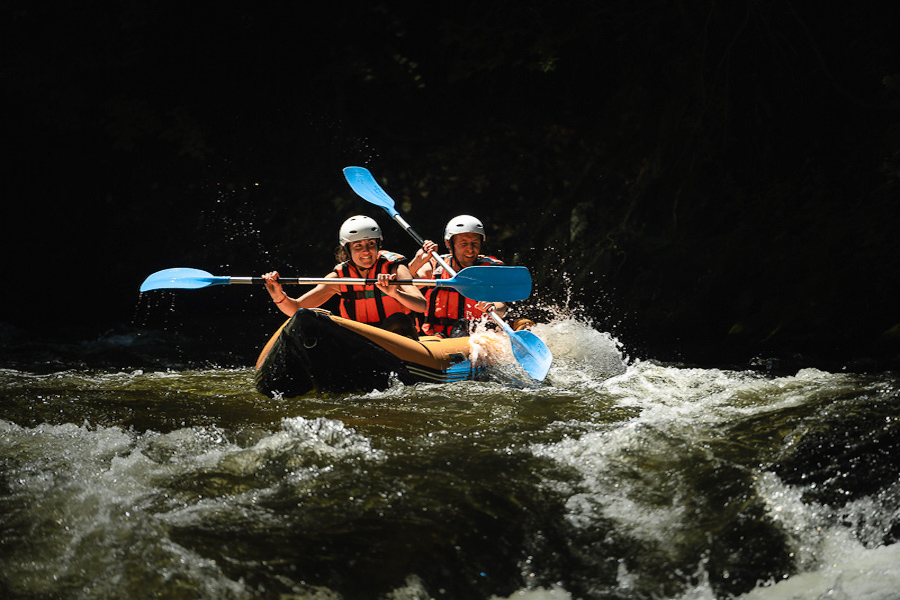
708 181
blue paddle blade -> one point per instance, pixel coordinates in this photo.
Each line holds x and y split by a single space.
362 182
534 356
491 283
181 279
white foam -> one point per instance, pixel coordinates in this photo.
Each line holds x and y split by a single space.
574 341
89 488
554 593
678 413
851 573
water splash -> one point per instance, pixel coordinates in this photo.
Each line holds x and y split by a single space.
611 479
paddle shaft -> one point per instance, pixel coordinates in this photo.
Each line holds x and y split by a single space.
332 281
421 241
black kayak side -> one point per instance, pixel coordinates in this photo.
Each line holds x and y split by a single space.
313 353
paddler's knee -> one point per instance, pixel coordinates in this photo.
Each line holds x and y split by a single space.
401 324
460 329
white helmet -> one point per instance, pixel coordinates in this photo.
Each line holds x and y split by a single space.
358 228
463 224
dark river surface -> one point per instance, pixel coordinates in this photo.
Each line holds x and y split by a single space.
615 478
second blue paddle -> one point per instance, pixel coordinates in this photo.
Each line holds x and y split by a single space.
531 352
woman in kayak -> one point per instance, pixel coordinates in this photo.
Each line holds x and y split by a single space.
449 313
382 304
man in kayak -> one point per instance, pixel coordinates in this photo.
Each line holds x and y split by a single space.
449 313
382 304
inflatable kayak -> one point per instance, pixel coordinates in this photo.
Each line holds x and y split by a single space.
315 351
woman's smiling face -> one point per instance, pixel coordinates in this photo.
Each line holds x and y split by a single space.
363 253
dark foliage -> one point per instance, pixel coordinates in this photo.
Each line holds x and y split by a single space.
700 177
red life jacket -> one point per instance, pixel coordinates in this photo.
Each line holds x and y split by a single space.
446 306
367 304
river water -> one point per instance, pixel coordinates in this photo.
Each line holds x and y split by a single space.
615 478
